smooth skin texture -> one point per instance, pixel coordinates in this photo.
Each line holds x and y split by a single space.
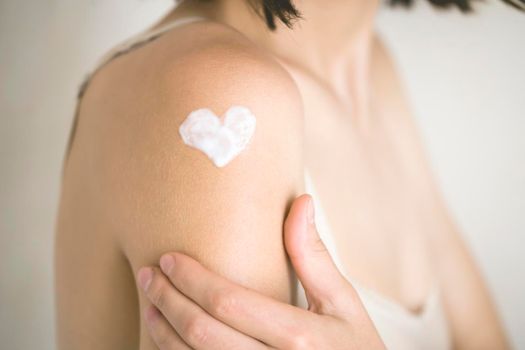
210 312
325 97
134 182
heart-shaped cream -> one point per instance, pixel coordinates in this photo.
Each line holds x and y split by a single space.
220 140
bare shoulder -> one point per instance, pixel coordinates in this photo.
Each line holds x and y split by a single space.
151 193
130 128
131 114
151 90
194 63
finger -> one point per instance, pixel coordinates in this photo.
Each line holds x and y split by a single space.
246 310
326 288
197 328
161 332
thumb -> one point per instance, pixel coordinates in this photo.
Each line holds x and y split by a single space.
324 285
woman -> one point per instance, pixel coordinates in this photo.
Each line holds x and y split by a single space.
322 103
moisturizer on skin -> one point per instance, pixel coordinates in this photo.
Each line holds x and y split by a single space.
221 140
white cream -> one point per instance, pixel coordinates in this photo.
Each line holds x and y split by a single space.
220 140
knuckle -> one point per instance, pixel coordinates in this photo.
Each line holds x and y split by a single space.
319 246
350 295
161 336
340 301
196 331
348 303
301 340
222 302
158 296
162 340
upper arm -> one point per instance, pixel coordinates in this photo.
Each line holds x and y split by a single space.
163 195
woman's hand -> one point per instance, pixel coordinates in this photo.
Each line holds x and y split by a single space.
194 308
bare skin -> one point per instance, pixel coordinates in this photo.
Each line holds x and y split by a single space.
336 107
210 312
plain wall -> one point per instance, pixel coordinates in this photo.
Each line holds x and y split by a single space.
465 76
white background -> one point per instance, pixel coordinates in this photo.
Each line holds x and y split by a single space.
465 76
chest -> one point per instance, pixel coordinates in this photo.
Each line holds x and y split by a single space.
370 179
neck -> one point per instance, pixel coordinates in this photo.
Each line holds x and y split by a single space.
332 40
329 34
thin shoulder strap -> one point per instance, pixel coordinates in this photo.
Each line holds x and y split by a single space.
321 221
147 36
122 48
134 42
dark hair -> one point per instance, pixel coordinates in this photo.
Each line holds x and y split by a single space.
286 12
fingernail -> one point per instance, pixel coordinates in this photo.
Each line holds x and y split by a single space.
311 213
166 263
145 276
